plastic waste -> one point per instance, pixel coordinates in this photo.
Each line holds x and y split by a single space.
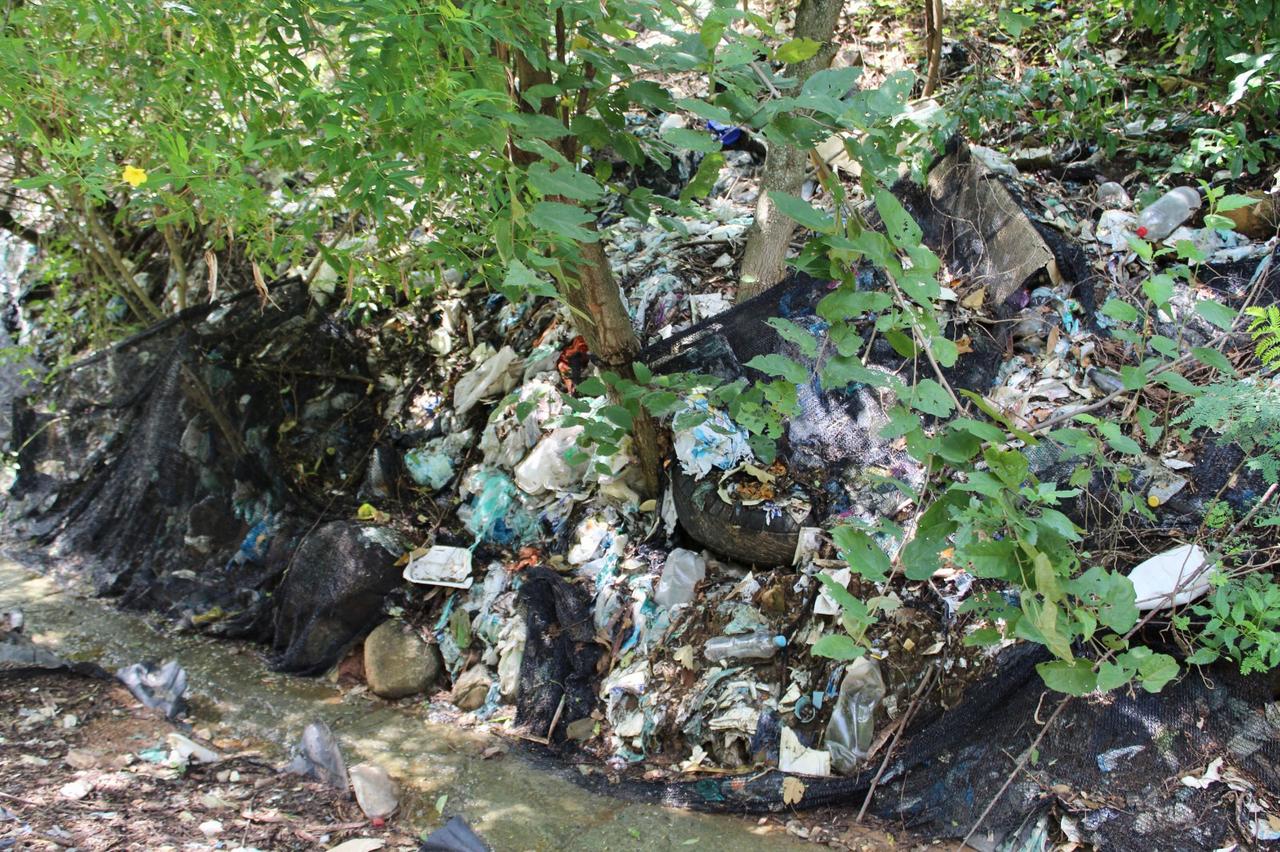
186 750
795 757
683 570
455 836
432 470
1112 195
1183 570
375 791
726 133
319 757
753 646
162 688
546 468
715 442
493 514
852 725
493 377
441 566
1162 216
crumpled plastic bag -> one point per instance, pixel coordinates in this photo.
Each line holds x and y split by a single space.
546 468
494 377
319 757
162 688
715 442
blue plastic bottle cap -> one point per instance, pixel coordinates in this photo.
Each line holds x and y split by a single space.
780 641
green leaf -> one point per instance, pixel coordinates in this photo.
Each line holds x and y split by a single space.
901 229
1111 676
797 50
845 302
1010 465
1014 23
944 350
521 281
704 179
780 366
1215 359
802 212
1216 313
919 556
831 82
1234 202
1156 671
592 386
692 140
618 415
862 553
931 398
1074 678
564 220
566 182
797 334
1159 289
991 560
1120 311
1175 381
1203 657
1133 377
837 647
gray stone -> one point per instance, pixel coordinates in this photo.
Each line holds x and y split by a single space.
397 662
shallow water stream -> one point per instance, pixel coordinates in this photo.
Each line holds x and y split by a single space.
511 802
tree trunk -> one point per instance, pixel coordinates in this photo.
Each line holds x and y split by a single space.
784 167
601 317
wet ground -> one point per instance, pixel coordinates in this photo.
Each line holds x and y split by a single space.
511 801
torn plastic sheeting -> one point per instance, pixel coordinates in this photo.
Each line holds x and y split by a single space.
496 375
507 438
1001 246
683 570
441 566
318 756
162 688
430 469
1172 578
795 757
546 469
495 514
716 442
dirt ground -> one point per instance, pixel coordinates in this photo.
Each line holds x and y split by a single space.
83 765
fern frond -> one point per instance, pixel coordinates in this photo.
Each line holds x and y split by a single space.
1265 330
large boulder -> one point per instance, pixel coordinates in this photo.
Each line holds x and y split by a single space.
397 662
332 592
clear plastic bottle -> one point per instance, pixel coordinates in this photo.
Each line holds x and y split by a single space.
752 646
1162 217
852 725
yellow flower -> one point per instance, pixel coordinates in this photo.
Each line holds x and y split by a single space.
134 176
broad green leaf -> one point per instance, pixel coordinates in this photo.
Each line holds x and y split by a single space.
1216 313
1156 671
944 350
704 179
931 398
831 82
802 212
797 50
692 140
1234 202
521 281
901 229
780 366
919 556
1014 23
797 334
1074 678
565 220
862 553
1010 465
837 647
566 182
1215 359
1119 310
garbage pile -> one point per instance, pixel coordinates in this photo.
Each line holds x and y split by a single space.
669 637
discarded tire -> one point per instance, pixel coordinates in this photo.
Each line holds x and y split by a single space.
747 534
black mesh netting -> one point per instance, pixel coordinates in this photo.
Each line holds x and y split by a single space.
558 674
1111 763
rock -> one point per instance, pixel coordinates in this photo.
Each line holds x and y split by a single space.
332 592
375 791
397 662
185 749
75 790
1112 195
470 690
581 729
211 828
1257 221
